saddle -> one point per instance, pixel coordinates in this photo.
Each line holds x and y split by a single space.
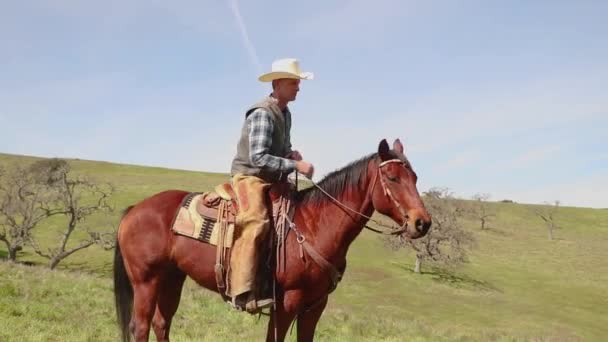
210 204
210 218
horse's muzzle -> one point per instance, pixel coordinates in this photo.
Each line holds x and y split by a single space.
423 226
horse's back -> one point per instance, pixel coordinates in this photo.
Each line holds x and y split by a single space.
148 244
144 233
156 210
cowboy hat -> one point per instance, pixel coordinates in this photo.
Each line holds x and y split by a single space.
286 68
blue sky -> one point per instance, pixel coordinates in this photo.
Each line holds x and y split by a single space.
506 98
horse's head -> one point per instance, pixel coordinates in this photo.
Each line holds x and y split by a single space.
394 191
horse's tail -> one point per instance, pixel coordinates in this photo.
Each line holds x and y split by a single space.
123 291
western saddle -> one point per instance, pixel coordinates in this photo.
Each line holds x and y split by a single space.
210 217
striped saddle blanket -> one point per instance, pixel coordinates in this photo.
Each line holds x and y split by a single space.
208 216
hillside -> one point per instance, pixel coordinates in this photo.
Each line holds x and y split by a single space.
517 285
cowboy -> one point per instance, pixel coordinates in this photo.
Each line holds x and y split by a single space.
263 157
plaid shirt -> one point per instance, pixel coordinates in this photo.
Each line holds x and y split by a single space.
260 126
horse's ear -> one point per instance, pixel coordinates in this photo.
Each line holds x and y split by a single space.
397 146
383 150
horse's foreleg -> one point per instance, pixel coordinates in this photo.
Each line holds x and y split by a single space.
167 303
307 322
280 320
145 295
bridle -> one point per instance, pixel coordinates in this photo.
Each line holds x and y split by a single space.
387 192
334 274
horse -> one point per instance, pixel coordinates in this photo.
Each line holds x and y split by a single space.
151 262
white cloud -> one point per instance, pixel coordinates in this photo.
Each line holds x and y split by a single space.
517 119
588 192
600 157
52 97
464 159
528 158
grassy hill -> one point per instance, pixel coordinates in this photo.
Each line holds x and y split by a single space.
517 285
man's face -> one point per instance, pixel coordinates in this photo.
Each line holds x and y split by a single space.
287 89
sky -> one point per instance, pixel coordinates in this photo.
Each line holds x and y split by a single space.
504 98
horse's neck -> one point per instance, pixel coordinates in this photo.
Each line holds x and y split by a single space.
333 229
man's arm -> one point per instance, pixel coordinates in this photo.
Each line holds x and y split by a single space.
260 128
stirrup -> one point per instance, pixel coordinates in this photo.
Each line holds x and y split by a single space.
255 306
251 305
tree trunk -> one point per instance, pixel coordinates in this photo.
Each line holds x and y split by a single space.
12 253
483 224
54 262
13 248
56 259
418 264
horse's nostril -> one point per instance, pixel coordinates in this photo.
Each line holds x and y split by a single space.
419 225
426 226
422 226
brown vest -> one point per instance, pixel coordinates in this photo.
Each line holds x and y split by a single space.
280 141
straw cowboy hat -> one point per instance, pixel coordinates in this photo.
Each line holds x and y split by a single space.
286 68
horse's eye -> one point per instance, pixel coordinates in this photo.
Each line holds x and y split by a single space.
393 179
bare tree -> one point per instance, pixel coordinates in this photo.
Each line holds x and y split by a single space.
78 198
480 209
548 214
24 203
446 243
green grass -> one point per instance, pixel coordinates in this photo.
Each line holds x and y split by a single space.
517 285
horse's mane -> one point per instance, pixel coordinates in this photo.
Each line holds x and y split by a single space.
337 181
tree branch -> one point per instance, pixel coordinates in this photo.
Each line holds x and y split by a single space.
83 245
37 248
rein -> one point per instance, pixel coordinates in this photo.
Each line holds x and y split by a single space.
334 274
393 230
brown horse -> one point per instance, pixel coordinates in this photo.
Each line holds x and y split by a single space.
151 262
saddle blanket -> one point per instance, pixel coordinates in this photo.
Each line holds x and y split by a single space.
189 222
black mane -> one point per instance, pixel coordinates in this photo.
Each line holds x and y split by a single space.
335 182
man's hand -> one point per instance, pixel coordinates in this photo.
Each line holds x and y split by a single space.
305 168
295 155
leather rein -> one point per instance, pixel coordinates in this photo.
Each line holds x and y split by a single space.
387 192
334 274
